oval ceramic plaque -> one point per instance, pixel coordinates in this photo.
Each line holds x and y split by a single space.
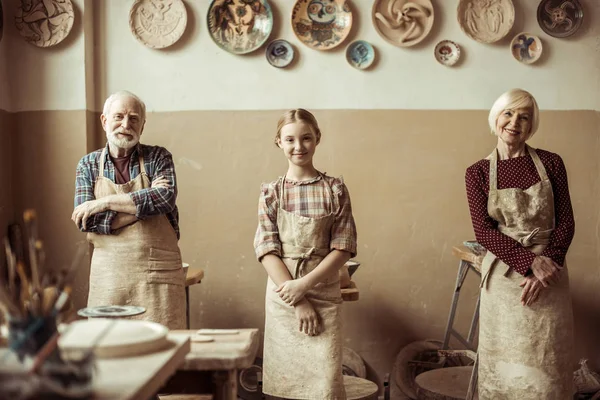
526 48
486 21
279 53
321 24
403 23
360 54
158 23
560 18
240 26
447 52
44 23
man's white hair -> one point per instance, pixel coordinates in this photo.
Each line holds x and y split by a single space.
124 94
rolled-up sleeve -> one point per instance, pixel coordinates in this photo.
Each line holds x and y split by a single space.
343 231
266 239
157 201
84 191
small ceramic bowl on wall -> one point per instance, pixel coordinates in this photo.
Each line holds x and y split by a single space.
526 48
360 54
447 53
280 53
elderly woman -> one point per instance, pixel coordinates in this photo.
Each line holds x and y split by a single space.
521 213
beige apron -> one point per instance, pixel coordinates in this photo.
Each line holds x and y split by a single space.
139 264
295 365
525 352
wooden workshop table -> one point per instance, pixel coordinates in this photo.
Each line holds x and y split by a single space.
212 367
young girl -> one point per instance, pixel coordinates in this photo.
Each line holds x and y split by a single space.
305 234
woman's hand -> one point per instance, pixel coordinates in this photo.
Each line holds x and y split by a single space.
531 290
292 291
545 270
308 319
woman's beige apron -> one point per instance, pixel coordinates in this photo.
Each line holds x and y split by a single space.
295 365
525 352
140 264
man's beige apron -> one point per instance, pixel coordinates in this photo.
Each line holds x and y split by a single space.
525 352
295 365
139 264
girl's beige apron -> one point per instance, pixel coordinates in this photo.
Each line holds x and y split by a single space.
295 365
139 264
525 352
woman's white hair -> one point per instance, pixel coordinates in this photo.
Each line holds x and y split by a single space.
513 99
124 94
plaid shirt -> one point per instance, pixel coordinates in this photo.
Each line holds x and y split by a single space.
150 201
309 199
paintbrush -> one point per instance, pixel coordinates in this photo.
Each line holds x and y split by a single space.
29 216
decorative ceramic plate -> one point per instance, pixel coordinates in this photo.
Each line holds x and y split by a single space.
157 23
486 21
110 311
526 48
321 24
280 53
360 54
239 26
560 18
447 52
403 23
44 23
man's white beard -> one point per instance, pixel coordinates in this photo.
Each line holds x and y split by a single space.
123 143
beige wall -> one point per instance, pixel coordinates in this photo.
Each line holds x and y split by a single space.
405 173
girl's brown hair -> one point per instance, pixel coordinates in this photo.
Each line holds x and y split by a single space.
298 115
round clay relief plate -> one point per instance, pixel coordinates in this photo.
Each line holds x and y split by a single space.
447 52
526 48
240 26
110 311
486 21
360 54
402 23
44 23
321 24
560 18
280 53
157 23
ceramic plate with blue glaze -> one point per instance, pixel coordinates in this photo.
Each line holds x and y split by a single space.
360 54
280 53
526 48
240 26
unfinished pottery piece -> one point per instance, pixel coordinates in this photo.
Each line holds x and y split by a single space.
560 18
111 311
112 338
321 24
360 54
44 23
280 53
403 23
486 21
157 23
447 53
239 26
526 48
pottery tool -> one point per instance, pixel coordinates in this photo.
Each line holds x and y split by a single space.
217 332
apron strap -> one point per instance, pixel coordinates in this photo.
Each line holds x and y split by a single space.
541 170
494 170
102 161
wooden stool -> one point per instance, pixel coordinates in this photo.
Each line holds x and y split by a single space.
193 277
360 389
450 383
351 292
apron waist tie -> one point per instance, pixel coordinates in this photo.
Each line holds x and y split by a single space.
300 255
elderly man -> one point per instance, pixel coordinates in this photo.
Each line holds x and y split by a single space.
125 199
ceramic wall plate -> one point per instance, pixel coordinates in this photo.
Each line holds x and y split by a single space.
44 23
560 18
321 24
486 21
239 26
447 52
157 23
280 53
526 48
402 23
110 311
360 54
